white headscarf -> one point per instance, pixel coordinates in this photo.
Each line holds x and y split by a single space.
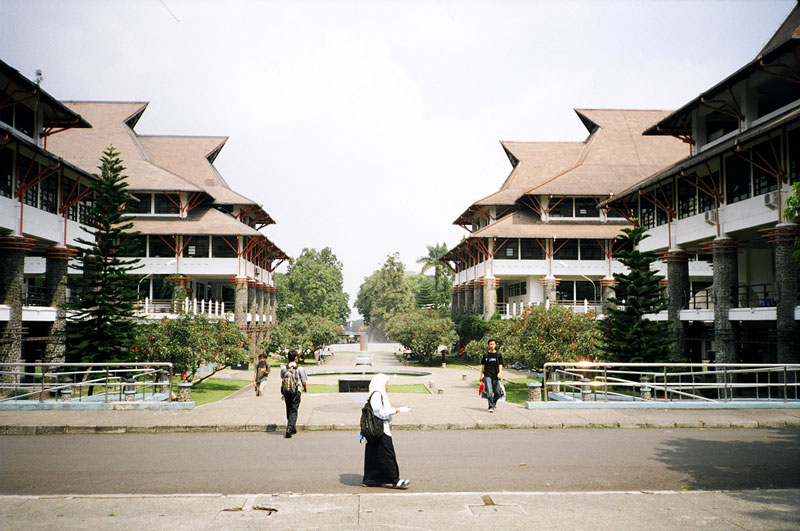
380 404
378 383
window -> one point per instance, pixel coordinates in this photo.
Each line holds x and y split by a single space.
6 172
560 207
531 250
737 179
196 248
508 250
566 251
763 181
85 205
159 248
687 197
591 250
221 249
719 125
517 290
23 120
143 206
648 213
776 93
794 155
585 290
66 188
6 112
167 204
705 202
48 196
565 291
664 196
586 207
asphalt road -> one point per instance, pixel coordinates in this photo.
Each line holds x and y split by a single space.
563 460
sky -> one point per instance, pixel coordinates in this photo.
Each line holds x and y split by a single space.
369 126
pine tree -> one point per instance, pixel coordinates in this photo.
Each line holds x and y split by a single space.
100 326
630 336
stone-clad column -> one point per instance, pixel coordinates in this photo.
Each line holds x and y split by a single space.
12 268
252 327
454 302
240 302
787 271
549 284
477 297
725 291
469 297
489 296
678 292
57 263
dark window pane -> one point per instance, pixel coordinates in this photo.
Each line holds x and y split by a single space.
794 155
565 291
591 250
567 251
531 250
142 206
737 179
585 290
197 247
705 202
763 181
159 248
718 125
687 197
221 249
508 250
23 119
6 172
585 207
166 203
561 207
648 213
48 195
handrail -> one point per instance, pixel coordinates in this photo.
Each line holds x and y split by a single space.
729 380
15 374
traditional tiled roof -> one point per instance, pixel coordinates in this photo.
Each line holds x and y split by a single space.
526 225
198 222
113 125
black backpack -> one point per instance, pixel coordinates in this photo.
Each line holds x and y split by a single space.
371 426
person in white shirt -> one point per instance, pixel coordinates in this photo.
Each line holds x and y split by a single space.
380 461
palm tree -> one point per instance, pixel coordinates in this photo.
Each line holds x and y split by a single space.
431 260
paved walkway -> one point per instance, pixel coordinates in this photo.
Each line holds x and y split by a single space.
457 406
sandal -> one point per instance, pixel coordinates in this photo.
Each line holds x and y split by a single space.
401 484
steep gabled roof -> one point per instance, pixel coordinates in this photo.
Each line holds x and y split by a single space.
113 125
525 225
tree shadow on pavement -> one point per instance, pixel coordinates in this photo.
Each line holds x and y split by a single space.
351 480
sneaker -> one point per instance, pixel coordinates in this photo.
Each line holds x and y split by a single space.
288 435
491 410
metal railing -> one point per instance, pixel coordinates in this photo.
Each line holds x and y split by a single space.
667 382
75 381
517 309
211 308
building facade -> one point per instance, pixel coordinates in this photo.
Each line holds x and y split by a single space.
43 199
725 204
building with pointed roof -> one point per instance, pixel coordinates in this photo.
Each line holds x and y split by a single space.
198 237
43 199
725 202
541 238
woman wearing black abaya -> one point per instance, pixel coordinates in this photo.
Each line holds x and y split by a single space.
380 462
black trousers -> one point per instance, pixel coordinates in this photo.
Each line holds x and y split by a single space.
380 462
292 401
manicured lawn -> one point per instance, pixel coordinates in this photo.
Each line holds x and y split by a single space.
516 389
214 389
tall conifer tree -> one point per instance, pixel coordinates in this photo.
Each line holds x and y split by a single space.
101 327
630 336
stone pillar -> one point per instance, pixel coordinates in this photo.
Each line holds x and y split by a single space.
489 296
12 268
252 327
678 292
57 263
607 285
726 273
240 302
549 284
477 297
273 298
469 297
462 298
454 302
787 271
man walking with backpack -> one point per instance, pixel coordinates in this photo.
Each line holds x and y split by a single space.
293 383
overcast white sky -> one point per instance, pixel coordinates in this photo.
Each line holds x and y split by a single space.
369 126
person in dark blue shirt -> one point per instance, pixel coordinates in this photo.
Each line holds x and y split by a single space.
491 370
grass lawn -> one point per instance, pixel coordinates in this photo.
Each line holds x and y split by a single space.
214 389
516 389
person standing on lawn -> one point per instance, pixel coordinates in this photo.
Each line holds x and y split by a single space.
491 370
260 375
293 383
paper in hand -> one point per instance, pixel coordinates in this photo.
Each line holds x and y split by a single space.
404 409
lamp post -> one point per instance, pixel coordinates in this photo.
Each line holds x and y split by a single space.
171 262
594 286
